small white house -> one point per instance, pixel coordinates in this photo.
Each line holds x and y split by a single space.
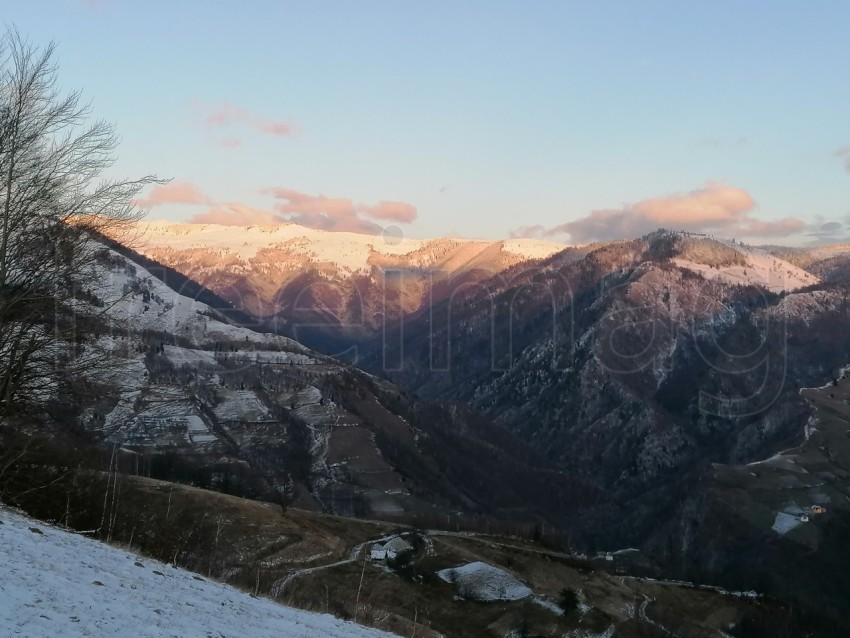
377 554
398 545
390 549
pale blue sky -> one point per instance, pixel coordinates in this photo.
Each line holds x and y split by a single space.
484 116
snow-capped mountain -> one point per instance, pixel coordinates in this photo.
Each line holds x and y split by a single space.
317 285
350 253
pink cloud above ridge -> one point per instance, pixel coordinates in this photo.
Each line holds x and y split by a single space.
338 213
713 208
174 193
395 211
235 214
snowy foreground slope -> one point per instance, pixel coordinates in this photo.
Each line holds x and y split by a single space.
54 583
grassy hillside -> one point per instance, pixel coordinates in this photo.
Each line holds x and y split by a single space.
319 562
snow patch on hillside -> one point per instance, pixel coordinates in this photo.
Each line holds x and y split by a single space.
532 248
481 581
60 584
135 299
197 431
761 269
274 357
242 405
190 357
784 523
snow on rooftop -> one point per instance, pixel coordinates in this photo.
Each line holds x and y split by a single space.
56 583
397 544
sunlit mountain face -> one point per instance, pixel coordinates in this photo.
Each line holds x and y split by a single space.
329 289
463 320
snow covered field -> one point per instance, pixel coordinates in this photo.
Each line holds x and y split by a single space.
241 405
784 522
762 269
485 582
54 583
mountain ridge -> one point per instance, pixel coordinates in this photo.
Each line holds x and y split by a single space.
326 288
592 392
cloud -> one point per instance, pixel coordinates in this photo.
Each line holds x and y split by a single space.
234 214
827 232
338 213
714 208
390 210
226 116
831 227
529 232
844 152
313 211
174 193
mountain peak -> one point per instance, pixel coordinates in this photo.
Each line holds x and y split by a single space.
727 260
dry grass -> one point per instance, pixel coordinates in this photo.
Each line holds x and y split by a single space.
256 546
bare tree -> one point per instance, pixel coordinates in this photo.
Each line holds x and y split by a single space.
54 202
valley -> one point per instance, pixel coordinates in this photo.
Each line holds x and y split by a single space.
637 341
482 321
189 395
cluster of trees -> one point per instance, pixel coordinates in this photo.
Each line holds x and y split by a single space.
710 252
54 201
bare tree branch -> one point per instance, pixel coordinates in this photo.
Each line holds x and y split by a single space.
54 203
